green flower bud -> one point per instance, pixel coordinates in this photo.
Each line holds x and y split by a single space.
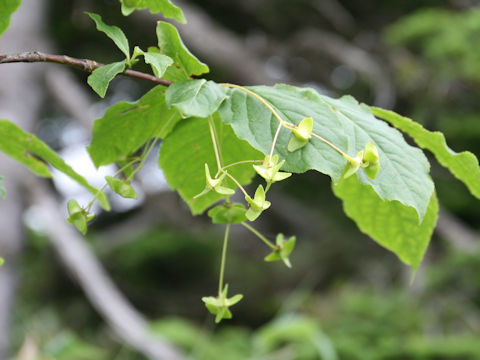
371 154
269 170
121 187
257 205
353 164
301 134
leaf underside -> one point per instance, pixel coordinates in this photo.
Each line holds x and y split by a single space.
195 97
126 126
403 174
185 151
464 166
389 223
100 78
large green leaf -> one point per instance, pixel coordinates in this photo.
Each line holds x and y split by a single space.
162 6
170 44
100 78
389 223
185 151
126 126
464 166
195 97
35 154
7 8
403 174
113 32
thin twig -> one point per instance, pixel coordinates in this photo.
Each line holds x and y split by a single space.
83 64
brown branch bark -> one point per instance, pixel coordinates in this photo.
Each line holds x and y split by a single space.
82 64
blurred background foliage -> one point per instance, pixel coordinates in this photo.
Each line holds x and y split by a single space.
345 298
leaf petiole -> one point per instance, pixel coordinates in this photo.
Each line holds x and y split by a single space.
260 236
224 257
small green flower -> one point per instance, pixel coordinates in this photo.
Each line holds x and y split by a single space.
78 216
269 170
121 187
354 164
283 250
219 305
257 205
367 158
301 134
371 160
214 184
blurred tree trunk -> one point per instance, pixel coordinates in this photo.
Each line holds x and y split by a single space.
20 102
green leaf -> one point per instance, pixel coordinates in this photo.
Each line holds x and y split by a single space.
2 261
100 78
185 151
195 97
34 153
464 166
389 223
113 32
403 173
7 8
3 192
126 126
228 213
163 6
170 44
122 188
157 61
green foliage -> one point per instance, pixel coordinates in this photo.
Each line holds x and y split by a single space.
7 8
101 77
35 154
403 174
392 225
300 332
170 44
163 6
228 213
189 147
114 33
217 136
195 97
463 165
158 62
125 127
444 38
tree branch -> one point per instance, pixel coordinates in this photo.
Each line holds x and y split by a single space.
83 64
102 293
